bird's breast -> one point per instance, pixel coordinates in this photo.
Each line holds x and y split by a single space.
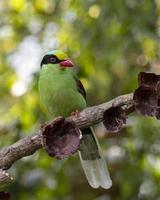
59 95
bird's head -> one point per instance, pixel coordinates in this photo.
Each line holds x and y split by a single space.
57 57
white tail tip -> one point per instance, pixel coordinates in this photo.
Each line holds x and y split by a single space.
96 172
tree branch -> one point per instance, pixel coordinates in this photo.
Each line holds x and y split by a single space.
5 178
89 116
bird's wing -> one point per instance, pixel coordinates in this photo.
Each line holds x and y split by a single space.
80 88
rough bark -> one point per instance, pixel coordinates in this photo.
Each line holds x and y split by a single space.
5 178
89 116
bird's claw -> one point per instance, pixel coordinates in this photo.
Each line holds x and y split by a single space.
75 113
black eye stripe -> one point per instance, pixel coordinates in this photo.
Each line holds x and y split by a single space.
50 59
53 59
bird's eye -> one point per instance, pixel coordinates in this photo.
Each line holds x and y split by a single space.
52 60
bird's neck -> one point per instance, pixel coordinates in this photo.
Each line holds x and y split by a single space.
56 69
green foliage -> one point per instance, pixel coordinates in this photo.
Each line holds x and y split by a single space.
110 41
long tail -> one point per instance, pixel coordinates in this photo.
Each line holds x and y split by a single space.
93 163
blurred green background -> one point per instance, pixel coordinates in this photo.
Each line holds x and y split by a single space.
110 42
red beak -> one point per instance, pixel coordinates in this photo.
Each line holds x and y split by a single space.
66 63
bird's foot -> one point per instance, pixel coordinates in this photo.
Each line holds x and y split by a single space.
75 113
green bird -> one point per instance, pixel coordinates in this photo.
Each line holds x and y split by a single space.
62 93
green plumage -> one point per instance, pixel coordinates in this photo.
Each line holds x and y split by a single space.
61 94
58 91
